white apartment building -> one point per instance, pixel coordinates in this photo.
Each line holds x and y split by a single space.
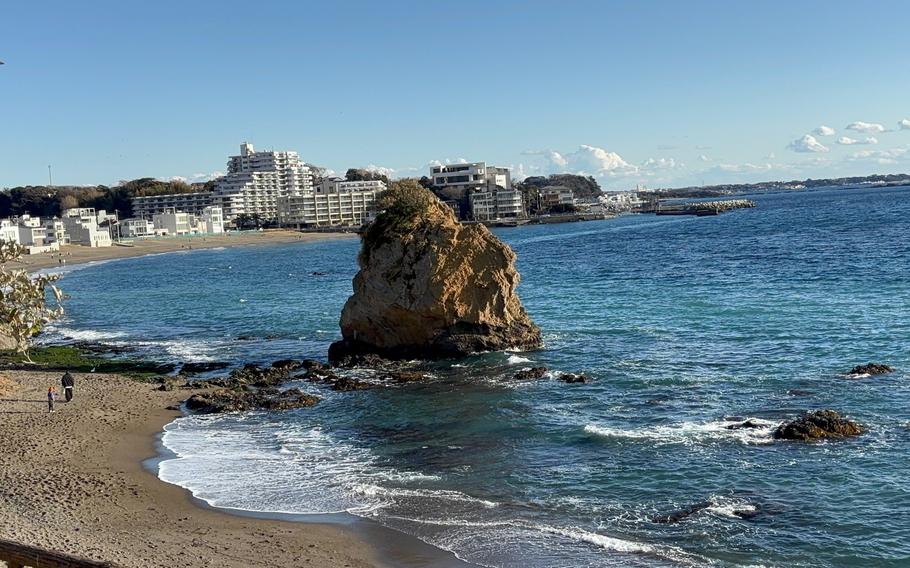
136 228
550 196
212 221
148 206
497 204
29 232
333 203
81 224
256 180
174 223
9 230
459 179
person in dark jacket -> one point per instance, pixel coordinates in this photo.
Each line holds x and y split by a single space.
68 383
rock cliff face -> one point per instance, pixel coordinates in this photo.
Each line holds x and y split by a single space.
429 287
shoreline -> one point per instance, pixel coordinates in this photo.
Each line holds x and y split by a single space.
76 255
77 481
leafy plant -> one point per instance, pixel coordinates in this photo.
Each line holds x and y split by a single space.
23 300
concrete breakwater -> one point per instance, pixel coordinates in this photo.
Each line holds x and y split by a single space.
701 208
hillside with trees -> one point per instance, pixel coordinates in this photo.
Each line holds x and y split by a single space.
47 201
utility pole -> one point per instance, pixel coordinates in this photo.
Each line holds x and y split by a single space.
50 179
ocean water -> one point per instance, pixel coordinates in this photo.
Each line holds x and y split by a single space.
686 324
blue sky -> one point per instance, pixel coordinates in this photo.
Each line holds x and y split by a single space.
660 93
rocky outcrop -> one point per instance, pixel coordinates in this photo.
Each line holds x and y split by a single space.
531 374
226 400
203 367
572 378
816 426
871 369
430 287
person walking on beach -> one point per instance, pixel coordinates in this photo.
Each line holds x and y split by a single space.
51 396
68 383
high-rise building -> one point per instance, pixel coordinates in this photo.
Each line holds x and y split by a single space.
255 181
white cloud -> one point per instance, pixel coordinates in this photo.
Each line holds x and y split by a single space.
194 178
882 157
388 172
741 168
847 141
904 124
704 158
661 164
807 143
861 126
770 156
586 160
823 131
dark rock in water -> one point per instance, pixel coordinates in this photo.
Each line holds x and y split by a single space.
225 400
203 367
312 365
799 392
572 378
317 273
288 364
530 374
406 376
682 514
431 287
745 425
365 360
817 425
871 369
347 384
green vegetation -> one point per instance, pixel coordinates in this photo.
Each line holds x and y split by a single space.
78 360
44 201
23 299
402 206
360 174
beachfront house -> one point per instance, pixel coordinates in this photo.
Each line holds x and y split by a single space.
556 196
174 223
27 231
136 228
211 222
81 224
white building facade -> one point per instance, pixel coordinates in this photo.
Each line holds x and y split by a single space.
81 225
468 177
256 180
136 228
497 204
333 203
148 206
211 222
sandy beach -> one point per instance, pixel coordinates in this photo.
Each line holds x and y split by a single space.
73 481
76 254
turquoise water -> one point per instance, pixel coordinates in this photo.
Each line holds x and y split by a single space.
685 323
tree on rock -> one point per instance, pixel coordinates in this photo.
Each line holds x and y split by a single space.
23 300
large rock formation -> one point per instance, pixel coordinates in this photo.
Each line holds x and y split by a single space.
430 287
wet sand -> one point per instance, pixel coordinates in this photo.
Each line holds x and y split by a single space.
73 481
